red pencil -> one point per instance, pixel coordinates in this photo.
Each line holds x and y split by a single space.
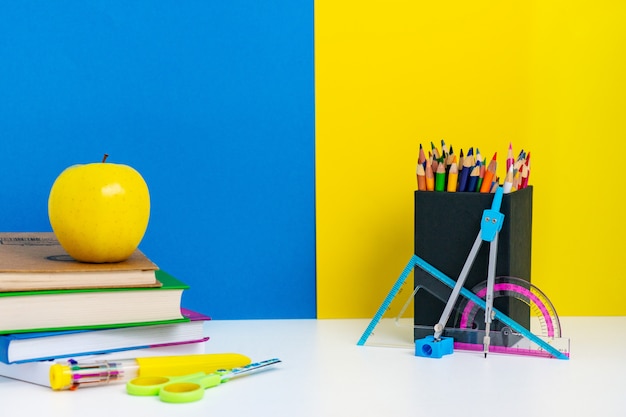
510 160
435 164
525 172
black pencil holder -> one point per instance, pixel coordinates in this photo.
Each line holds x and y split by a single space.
446 226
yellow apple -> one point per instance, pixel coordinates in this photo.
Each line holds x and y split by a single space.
99 212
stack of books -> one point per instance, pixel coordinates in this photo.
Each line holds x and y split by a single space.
53 307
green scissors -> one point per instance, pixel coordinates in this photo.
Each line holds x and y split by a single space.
188 388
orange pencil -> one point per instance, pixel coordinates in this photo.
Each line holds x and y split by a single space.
490 173
430 178
421 178
453 176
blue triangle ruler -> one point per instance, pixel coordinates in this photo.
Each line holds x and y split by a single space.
416 261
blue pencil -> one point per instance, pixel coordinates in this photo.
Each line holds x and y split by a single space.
468 163
472 183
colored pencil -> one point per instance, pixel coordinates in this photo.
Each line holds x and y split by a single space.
526 172
434 164
523 177
421 178
520 161
430 178
451 159
440 177
478 156
453 176
468 163
494 184
421 159
490 173
443 171
510 160
508 181
472 182
435 151
481 176
516 180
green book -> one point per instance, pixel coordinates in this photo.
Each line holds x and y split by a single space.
47 310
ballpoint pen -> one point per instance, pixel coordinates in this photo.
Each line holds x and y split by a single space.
73 374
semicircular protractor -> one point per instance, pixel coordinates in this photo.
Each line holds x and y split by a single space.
541 309
543 320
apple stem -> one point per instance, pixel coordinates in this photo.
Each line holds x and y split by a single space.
106 155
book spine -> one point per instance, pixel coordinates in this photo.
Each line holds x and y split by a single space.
5 342
105 352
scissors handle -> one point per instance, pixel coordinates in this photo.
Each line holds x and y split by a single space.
152 385
187 391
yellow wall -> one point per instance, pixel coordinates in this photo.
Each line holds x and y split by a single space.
548 77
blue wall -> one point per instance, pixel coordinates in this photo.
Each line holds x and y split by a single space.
213 102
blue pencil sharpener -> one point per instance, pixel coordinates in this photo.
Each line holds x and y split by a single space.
428 347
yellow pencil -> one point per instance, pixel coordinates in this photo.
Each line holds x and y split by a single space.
453 176
430 178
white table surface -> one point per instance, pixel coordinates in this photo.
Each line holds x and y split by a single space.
324 373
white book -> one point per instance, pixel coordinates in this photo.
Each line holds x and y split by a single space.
39 372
